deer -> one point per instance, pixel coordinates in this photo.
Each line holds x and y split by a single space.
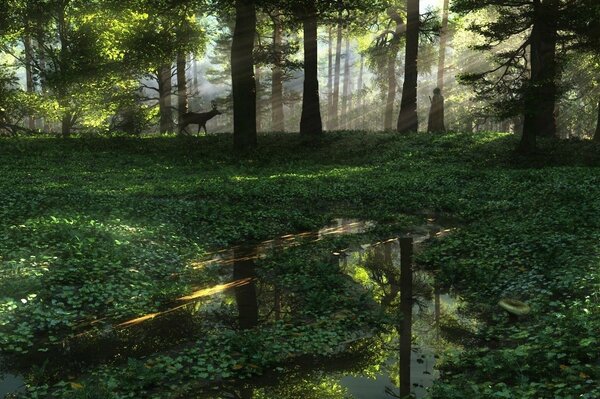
200 119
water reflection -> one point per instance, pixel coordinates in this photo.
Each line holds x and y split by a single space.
397 363
417 299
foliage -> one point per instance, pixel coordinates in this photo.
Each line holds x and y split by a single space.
103 230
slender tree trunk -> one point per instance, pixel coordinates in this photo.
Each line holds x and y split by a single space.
164 93
408 120
391 94
540 97
597 134
336 84
310 121
195 82
277 116
443 41
330 81
346 89
29 75
257 74
182 95
63 100
242 76
360 91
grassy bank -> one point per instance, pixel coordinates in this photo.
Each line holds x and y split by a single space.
94 232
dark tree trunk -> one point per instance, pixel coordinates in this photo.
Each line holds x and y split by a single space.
310 121
66 124
443 41
597 134
330 81
391 94
336 84
29 75
346 90
407 119
242 76
164 93
540 96
277 116
182 95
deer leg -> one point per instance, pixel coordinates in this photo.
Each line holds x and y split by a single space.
199 127
205 131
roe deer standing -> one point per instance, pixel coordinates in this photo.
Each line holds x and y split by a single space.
200 119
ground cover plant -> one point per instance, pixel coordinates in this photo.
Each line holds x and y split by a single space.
96 232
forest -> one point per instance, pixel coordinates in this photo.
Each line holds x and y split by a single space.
259 199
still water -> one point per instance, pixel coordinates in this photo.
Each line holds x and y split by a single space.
235 297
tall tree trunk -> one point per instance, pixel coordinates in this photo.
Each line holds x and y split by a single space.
336 84
391 94
540 96
407 119
29 75
597 134
257 74
310 121
346 89
277 116
164 102
182 95
195 82
443 41
360 91
242 76
63 100
330 81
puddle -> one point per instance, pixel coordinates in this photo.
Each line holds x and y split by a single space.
235 298
10 383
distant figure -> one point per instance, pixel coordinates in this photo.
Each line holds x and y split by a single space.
436 113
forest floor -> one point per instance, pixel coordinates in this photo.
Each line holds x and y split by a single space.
96 232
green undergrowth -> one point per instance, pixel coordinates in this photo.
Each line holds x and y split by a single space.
95 231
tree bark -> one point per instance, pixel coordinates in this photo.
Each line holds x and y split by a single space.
336 84
277 116
540 96
346 89
164 102
597 134
443 42
257 74
407 119
29 75
310 121
182 95
391 94
360 92
330 81
242 76
62 92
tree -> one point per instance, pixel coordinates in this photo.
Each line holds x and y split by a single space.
408 120
242 76
525 78
336 77
443 43
310 121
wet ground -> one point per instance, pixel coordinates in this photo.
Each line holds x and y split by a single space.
236 297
